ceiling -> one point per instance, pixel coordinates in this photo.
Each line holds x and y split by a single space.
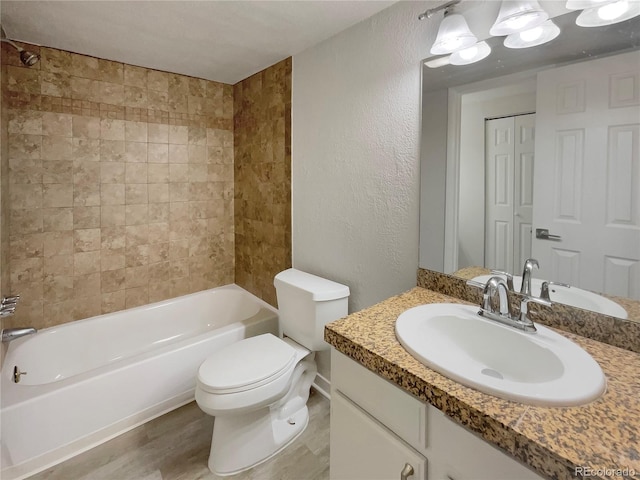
224 41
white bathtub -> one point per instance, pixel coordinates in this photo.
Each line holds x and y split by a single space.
94 379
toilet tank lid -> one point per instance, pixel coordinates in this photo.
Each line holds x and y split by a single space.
320 288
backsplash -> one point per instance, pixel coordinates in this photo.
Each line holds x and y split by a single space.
120 185
603 328
262 147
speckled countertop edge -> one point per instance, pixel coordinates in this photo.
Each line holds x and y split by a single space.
553 441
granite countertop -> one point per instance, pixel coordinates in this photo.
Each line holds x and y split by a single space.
602 435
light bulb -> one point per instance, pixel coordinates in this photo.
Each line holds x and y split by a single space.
468 53
520 22
613 10
531 35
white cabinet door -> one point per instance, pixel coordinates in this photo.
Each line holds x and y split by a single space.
363 449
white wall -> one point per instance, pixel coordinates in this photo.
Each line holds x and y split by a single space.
355 155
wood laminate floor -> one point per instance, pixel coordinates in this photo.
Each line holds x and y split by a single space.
176 446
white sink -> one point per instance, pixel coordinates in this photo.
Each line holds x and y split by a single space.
574 296
541 368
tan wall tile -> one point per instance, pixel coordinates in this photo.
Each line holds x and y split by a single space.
55 61
57 219
25 146
111 129
178 135
158 81
25 80
112 172
86 240
87 149
56 148
136 173
113 302
112 200
25 171
157 153
112 151
157 133
59 265
137 214
86 217
112 215
112 194
55 84
158 212
86 194
135 76
86 262
135 297
135 152
25 122
86 127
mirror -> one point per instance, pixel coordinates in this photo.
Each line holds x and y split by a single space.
465 107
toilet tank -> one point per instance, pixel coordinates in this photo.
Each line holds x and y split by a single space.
306 303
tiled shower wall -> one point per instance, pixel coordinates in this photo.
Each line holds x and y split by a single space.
262 142
120 185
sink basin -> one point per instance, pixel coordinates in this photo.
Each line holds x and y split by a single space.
542 368
574 296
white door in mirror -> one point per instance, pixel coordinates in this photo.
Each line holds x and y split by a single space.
542 368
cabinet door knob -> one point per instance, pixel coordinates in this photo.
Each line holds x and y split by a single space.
406 472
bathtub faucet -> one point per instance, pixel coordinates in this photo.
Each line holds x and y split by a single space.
9 334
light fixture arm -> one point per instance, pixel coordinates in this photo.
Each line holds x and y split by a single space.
432 11
10 42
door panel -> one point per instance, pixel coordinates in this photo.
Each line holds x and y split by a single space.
587 175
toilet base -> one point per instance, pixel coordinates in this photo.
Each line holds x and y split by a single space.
241 442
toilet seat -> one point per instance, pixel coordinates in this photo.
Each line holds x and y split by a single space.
247 364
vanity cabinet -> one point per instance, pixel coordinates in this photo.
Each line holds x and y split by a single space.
379 431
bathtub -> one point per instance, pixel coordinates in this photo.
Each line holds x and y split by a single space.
94 379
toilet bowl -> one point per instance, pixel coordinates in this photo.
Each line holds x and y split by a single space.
257 388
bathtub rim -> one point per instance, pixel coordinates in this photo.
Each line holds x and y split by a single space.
12 394
51 458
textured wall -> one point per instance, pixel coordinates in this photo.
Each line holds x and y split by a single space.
355 155
120 185
262 143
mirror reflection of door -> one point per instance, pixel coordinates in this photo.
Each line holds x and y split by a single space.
587 176
509 156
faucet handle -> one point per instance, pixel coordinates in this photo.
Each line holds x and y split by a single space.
524 308
506 274
473 283
10 300
544 289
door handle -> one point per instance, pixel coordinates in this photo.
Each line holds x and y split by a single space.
406 472
543 234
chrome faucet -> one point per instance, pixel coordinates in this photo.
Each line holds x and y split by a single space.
504 315
493 285
529 265
544 290
9 334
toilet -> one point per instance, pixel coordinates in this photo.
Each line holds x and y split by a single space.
258 387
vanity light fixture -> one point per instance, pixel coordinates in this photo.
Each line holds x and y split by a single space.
438 62
608 14
453 33
471 54
533 37
582 4
518 15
